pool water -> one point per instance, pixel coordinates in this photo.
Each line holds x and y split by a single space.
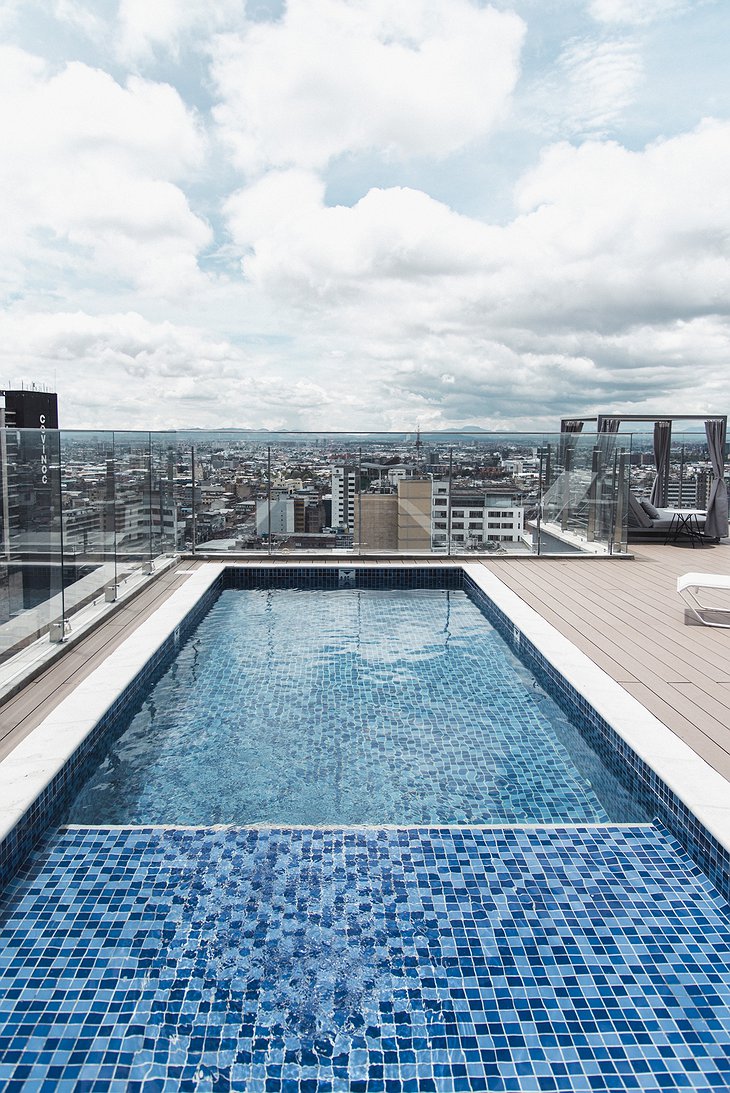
349 706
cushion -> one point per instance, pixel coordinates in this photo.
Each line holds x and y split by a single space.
637 517
651 510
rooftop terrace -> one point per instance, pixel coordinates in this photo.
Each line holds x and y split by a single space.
385 960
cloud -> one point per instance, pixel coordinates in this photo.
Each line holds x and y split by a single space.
617 236
636 12
389 235
588 91
545 309
89 173
81 17
604 237
352 289
417 78
162 26
148 374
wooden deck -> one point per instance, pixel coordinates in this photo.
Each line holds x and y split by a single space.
21 713
624 614
627 617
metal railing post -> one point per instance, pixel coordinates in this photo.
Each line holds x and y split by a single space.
192 499
448 503
268 494
538 519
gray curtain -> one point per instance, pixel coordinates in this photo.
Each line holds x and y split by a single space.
607 430
716 520
568 441
662 443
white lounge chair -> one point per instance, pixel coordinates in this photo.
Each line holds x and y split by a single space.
689 587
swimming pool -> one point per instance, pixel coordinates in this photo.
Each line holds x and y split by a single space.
375 958
304 706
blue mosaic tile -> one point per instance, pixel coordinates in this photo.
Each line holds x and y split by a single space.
55 798
644 785
650 793
348 706
385 961
343 576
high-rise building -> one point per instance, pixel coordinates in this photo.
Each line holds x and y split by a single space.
472 517
35 408
376 521
275 517
30 570
414 514
344 491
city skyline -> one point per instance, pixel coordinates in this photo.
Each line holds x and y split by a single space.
340 215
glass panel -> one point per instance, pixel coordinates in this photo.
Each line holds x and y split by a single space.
396 492
585 494
494 483
133 503
87 484
31 571
222 494
167 531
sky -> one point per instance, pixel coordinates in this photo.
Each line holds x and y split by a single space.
365 214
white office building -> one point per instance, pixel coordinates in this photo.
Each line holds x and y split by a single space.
282 516
473 518
344 487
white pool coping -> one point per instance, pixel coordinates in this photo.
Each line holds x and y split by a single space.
704 791
37 759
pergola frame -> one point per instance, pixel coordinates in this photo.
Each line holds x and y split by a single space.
662 472
648 418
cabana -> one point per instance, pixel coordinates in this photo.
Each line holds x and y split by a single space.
607 425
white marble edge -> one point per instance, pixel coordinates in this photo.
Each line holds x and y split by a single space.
37 759
704 791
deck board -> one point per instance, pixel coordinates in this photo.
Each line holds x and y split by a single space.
627 617
25 710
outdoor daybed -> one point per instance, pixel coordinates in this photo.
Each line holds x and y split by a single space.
644 519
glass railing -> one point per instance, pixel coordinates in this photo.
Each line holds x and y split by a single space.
403 493
85 512
81 514
585 494
32 564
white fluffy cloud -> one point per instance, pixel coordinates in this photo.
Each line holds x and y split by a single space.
603 235
391 212
416 78
89 173
145 27
607 242
624 234
109 363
